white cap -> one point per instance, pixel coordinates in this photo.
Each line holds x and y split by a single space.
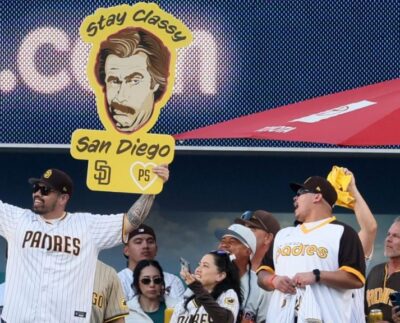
240 232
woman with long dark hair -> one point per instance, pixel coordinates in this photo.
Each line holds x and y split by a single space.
216 291
149 303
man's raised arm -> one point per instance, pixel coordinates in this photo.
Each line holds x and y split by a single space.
140 209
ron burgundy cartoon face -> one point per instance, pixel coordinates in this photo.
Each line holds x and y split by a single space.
133 67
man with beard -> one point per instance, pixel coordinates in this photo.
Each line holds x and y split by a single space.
52 253
384 278
133 67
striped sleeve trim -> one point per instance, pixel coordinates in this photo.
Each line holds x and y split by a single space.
266 268
355 272
116 317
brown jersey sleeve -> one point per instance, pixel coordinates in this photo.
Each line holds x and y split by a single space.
109 301
351 254
116 304
214 310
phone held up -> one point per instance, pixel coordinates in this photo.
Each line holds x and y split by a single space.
185 265
395 299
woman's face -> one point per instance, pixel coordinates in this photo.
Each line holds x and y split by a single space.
207 272
150 282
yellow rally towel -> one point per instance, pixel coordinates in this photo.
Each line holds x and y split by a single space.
340 182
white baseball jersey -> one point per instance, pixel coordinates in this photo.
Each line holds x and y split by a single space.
228 300
50 267
327 245
173 285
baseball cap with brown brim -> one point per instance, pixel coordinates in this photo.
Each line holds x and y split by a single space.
260 219
318 185
55 179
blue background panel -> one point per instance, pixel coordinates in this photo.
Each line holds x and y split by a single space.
269 53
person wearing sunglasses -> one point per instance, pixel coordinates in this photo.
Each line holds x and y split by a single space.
216 291
150 302
265 227
316 263
142 244
59 249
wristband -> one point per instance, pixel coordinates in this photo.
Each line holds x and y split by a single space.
271 281
317 274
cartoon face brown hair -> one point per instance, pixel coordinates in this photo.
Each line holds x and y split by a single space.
133 66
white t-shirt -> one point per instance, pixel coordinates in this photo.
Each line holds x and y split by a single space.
173 285
50 267
327 245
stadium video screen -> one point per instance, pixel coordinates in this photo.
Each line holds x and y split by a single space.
246 57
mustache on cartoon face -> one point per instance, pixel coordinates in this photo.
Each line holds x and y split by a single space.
122 108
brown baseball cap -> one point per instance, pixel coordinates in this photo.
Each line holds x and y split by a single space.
260 219
318 185
55 179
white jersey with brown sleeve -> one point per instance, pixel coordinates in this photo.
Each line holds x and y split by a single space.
50 268
195 312
327 245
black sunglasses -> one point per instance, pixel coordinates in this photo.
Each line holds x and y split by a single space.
44 190
147 281
248 215
302 191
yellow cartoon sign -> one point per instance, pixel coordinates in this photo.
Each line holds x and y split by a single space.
131 69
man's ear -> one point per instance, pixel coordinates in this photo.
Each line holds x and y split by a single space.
269 237
318 197
248 251
126 250
64 198
155 88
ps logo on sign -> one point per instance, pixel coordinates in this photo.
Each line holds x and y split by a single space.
142 174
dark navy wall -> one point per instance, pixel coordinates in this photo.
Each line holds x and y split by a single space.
207 190
212 181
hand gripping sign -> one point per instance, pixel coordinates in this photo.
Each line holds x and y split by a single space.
131 69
